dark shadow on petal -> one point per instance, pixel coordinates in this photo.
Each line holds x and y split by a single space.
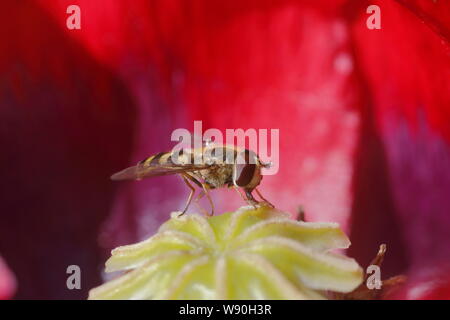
66 125
373 218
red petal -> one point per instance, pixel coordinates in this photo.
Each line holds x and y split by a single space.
405 67
310 68
7 281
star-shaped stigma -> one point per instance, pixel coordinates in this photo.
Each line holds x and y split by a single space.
247 254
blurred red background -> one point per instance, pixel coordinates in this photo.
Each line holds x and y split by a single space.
363 116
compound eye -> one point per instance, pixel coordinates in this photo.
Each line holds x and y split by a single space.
244 169
244 174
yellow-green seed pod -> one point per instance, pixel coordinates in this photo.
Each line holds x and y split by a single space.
248 254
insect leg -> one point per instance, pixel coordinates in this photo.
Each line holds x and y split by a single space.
199 197
202 193
264 199
205 190
199 207
190 195
240 193
301 214
194 180
250 200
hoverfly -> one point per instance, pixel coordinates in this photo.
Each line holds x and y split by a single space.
208 167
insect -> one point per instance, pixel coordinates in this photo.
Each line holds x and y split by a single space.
208 167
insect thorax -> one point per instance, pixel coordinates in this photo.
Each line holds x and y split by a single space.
222 161
217 176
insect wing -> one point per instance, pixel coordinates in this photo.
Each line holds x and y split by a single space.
142 170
